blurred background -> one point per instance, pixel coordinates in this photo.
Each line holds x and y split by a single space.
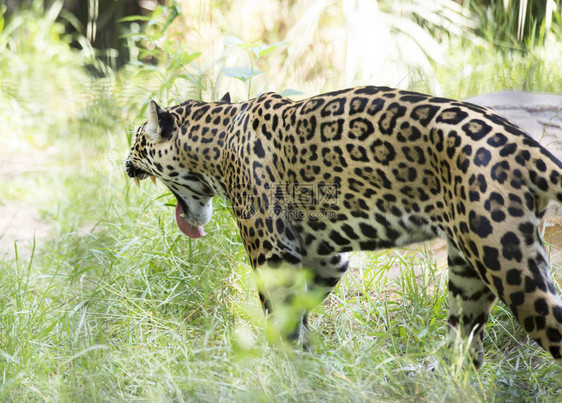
101 298
452 47
80 73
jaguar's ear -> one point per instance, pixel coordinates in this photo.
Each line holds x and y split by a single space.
226 98
160 123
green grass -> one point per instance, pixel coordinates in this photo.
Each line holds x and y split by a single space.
130 310
117 305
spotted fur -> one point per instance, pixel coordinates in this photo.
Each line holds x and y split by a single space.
368 168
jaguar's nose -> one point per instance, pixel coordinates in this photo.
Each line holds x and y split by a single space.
136 173
129 168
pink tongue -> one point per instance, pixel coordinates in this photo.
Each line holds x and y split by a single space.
190 230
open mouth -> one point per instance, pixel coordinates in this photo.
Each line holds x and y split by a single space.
192 231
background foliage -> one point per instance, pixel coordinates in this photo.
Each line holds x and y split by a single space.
111 302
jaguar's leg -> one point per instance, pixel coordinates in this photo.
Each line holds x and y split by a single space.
287 293
470 302
281 288
293 331
513 264
525 285
326 272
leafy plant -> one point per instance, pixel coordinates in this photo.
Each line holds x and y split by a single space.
255 51
155 44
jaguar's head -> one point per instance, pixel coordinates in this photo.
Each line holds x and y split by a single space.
157 153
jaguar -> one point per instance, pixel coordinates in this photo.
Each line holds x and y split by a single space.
362 169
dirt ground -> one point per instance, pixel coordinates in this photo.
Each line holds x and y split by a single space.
20 221
539 114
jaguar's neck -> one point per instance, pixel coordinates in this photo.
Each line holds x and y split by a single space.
204 135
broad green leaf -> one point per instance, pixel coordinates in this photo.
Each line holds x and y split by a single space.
291 93
186 58
242 73
175 12
233 41
262 50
